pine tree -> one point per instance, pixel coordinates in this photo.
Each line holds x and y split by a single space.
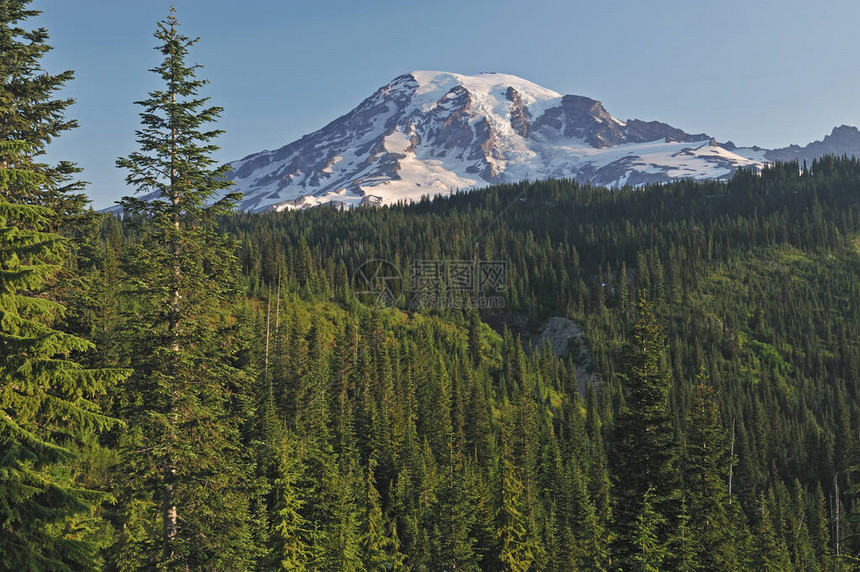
512 535
186 496
590 531
770 553
649 552
31 113
683 544
704 467
290 535
474 330
47 400
379 548
643 452
819 521
452 540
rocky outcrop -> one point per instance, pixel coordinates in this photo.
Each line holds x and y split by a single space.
581 118
565 340
641 131
519 114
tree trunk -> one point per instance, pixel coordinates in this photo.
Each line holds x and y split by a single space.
170 515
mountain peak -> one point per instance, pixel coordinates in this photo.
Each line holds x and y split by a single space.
484 83
430 133
843 140
844 132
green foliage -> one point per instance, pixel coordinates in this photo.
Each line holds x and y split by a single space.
33 115
770 552
275 423
379 549
752 282
290 546
515 549
47 399
643 449
649 552
186 478
704 465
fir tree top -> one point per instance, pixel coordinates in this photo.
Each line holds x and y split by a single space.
174 164
31 113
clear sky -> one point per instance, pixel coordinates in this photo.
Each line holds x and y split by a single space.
767 72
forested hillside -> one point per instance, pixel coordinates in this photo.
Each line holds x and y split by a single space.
186 387
751 352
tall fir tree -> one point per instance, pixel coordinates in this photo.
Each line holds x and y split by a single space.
47 399
31 112
379 547
512 535
649 551
186 496
705 468
643 453
289 538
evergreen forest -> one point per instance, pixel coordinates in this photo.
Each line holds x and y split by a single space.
188 387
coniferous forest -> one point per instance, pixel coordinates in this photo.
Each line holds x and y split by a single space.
186 387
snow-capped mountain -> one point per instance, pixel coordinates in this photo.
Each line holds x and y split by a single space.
431 133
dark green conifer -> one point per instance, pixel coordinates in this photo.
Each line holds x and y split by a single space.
290 534
380 550
770 553
649 551
705 470
515 551
48 400
643 453
185 474
31 112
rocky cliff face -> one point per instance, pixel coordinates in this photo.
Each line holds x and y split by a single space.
431 133
843 140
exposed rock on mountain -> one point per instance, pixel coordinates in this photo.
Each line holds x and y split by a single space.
843 140
431 133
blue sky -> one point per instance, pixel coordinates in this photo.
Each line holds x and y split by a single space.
761 72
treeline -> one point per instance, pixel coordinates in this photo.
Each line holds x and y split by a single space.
190 388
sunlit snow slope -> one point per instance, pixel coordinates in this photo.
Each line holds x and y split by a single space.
431 133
